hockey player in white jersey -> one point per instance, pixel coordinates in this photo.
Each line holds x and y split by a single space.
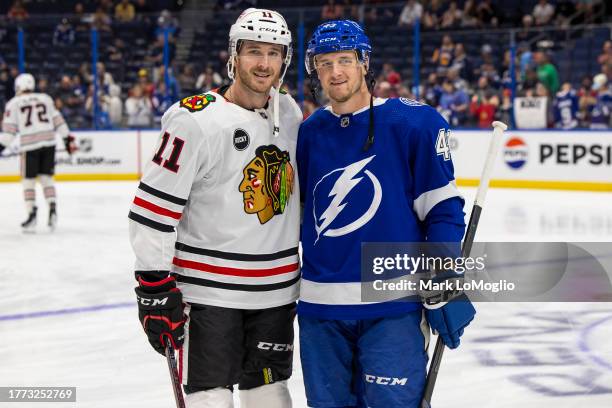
215 223
32 116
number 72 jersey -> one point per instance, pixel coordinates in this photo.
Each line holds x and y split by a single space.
218 204
32 117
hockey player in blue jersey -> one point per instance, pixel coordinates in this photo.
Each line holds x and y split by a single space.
371 170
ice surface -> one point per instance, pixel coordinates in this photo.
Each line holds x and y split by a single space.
68 314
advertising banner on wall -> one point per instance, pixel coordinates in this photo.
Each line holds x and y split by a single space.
579 160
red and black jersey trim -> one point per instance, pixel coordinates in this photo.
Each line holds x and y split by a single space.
236 286
233 256
150 223
160 194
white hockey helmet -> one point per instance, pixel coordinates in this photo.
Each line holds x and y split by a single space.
24 82
265 26
259 25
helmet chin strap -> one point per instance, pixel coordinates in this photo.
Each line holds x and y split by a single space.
371 82
276 113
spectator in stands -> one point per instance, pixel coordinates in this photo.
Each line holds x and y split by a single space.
63 34
605 58
505 110
80 20
451 18
529 81
125 11
487 13
105 78
469 16
18 12
565 106
601 111
462 63
67 101
138 109
101 20
155 53
115 52
547 73
453 104
543 13
411 12
483 89
147 86
171 82
432 15
113 105
433 91
332 10
187 80
587 97
160 102
208 79
484 109
443 56
458 82
384 90
165 22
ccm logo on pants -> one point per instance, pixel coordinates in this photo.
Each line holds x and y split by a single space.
274 347
385 380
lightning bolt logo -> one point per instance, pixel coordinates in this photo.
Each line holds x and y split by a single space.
345 182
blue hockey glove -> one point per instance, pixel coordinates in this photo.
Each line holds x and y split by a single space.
448 312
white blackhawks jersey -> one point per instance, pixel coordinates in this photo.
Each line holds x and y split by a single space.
218 204
33 117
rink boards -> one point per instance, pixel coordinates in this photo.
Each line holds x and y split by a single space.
572 160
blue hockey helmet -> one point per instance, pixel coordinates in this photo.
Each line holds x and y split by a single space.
337 35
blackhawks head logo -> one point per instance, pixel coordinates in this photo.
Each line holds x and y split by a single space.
197 102
267 183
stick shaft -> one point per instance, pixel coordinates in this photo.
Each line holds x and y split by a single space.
174 376
483 187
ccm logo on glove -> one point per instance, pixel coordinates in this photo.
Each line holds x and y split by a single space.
151 302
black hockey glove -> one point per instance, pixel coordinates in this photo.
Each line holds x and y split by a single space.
160 310
2 147
70 144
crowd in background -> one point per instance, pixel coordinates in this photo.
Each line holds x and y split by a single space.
469 90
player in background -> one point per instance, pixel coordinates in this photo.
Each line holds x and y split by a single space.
32 116
371 170
566 107
215 227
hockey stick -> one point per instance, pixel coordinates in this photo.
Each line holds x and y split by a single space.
174 376
13 154
483 186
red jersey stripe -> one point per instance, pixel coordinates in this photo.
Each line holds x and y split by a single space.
223 270
156 209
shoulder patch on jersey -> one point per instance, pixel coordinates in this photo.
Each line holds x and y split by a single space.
267 183
410 102
196 103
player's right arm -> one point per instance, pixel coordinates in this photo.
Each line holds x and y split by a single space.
9 125
156 211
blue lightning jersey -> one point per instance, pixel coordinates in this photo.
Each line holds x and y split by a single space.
402 189
566 109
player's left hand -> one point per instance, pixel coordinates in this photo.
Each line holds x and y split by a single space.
448 317
70 144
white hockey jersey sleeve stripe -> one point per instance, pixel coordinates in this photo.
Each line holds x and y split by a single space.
160 194
428 200
150 223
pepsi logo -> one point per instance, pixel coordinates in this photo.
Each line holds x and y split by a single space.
516 152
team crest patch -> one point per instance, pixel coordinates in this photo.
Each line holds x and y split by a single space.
197 102
267 183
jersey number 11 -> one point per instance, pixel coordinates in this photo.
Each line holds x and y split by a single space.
170 163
